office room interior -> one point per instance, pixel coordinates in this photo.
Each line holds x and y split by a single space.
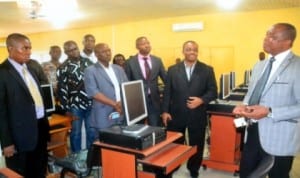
229 40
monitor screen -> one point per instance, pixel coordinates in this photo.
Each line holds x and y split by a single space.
134 102
225 85
48 97
232 80
247 76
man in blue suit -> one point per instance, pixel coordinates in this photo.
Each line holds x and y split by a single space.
275 120
102 83
136 69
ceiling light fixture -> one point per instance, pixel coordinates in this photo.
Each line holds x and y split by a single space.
227 4
58 12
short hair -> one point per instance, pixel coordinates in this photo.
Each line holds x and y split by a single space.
88 36
290 31
53 47
13 37
67 43
189 41
139 39
118 55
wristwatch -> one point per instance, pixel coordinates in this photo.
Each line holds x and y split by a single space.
270 114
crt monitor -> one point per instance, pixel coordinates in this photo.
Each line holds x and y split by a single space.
134 102
48 97
225 86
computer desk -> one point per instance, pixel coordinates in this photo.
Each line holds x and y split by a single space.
225 143
9 173
164 157
59 129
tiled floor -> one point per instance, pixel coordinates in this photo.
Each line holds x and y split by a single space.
211 173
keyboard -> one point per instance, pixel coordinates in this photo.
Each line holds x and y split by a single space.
135 128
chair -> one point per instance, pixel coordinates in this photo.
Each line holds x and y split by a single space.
80 164
263 168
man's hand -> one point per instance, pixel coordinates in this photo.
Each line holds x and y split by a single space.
118 107
166 117
193 102
9 151
254 112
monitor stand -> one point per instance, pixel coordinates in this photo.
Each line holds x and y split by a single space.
134 129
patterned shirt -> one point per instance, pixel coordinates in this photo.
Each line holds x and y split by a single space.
70 86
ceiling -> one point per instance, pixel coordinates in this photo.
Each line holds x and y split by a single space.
102 12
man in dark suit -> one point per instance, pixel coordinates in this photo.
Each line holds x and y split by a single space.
148 68
24 128
190 86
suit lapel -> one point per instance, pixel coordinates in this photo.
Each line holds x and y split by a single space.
137 66
103 73
182 73
280 69
17 77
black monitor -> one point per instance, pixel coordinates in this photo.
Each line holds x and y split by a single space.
134 102
48 98
225 86
232 80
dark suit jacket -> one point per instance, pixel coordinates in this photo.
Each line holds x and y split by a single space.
19 125
178 89
134 72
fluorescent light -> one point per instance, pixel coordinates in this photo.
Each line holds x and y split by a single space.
227 4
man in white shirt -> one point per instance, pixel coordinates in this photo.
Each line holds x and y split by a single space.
88 47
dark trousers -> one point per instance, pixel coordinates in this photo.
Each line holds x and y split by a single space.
196 137
253 153
31 164
153 114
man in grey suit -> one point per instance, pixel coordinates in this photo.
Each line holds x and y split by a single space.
102 83
148 68
275 128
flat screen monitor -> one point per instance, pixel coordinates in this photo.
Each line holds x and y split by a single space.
225 86
247 76
134 102
232 80
48 97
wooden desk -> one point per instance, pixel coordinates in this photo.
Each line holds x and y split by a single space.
224 143
9 173
120 162
59 129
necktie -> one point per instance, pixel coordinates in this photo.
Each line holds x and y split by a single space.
261 83
190 73
32 88
147 68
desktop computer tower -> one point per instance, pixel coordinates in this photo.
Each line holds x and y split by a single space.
142 140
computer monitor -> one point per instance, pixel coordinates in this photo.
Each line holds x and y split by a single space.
247 76
48 97
232 80
134 102
225 86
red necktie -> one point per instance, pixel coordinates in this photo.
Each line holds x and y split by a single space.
147 68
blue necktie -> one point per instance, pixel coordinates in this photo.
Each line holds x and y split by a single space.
261 83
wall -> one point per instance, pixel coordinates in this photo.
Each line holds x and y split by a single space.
229 41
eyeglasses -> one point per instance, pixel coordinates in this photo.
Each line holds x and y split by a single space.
71 50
